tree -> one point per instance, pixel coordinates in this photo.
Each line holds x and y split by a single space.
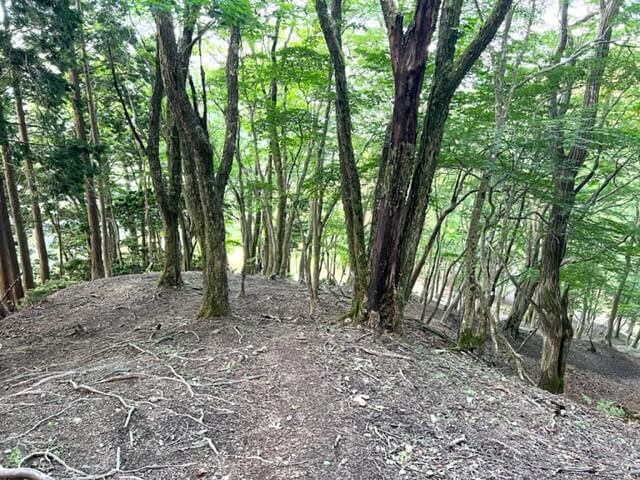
331 24
211 185
10 282
12 57
402 193
408 49
555 323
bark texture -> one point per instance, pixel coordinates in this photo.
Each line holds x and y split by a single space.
555 322
408 49
211 185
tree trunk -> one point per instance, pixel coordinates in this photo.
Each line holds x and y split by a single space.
97 266
555 323
450 69
9 271
331 24
277 161
408 51
316 214
168 198
41 245
14 202
215 296
616 301
28 165
95 142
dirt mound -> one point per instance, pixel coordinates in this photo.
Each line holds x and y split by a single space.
118 379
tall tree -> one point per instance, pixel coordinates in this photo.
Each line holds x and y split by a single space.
12 56
95 242
331 24
408 51
555 323
449 72
211 185
11 184
95 145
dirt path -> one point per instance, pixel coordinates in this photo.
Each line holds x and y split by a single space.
117 377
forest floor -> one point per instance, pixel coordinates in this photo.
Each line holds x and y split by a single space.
118 379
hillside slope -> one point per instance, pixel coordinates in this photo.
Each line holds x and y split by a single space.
118 378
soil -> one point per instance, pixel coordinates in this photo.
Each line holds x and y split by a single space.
118 379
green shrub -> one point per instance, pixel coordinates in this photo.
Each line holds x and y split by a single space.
607 406
41 291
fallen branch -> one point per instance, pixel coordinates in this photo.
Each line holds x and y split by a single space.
182 380
37 424
142 350
23 474
232 381
385 354
9 290
51 456
528 337
86 388
570 469
497 335
119 471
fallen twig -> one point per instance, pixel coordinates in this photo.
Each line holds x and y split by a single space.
385 354
37 424
570 469
142 350
51 456
130 408
182 380
232 381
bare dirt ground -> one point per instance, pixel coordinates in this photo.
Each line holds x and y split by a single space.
118 379
605 376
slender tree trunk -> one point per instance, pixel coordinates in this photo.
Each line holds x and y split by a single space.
10 278
97 161
616 301
32 185
97 266
316 214
28 165
331 24
277 160
555 324
215 296
14 202
468 337
167 196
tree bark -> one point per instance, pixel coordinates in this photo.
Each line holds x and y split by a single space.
555 324
215 298
408 50
331 24
97 266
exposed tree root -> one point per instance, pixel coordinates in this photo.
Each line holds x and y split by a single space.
130 408
23 474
